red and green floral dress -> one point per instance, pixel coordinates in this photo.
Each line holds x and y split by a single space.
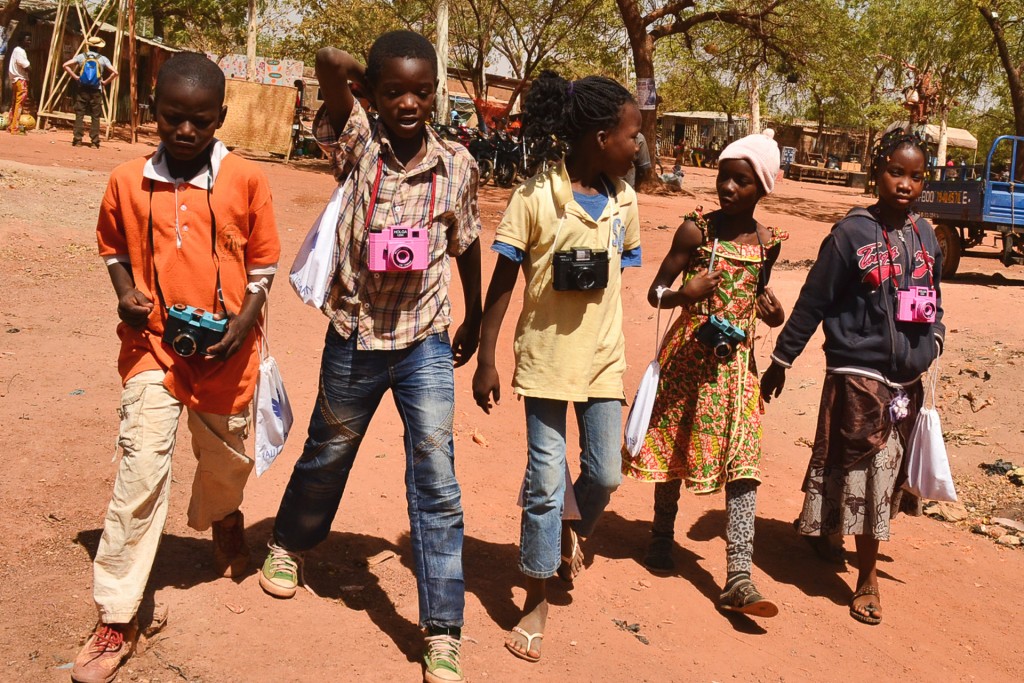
706 424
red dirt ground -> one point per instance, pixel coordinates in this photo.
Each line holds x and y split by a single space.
952 603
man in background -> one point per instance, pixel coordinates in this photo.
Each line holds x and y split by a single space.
18 71
641 163
91 71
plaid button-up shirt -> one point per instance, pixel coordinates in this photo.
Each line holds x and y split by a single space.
394 310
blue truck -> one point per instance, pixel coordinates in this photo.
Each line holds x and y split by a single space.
965 203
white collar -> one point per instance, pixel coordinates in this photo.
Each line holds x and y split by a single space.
156 167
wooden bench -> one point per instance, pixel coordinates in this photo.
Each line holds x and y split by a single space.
818 174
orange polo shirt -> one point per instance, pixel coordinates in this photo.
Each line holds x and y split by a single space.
247 242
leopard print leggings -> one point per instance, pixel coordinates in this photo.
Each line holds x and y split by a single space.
740 508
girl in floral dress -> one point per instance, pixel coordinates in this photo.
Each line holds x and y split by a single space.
705 430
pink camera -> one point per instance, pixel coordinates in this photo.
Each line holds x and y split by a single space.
398 248
916 305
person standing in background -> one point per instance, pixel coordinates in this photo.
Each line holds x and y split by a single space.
89 74
641 163
18 70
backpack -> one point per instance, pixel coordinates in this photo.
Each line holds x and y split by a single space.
90 76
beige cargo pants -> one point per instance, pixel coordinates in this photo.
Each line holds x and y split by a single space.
138 508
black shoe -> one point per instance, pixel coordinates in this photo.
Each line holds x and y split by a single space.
76 143
659 555
96 144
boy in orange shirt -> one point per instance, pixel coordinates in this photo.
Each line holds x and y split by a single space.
190 225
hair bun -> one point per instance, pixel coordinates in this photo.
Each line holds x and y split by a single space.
768 133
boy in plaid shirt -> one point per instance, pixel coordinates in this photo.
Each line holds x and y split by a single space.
389 324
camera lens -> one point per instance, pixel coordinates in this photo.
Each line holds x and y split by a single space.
928 310
723 349
402 257
585 279
184 344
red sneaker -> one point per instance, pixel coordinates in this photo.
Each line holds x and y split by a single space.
104 653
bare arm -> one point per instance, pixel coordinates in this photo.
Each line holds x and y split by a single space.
687 238
69 67
133 307
334 69
467 337
485 381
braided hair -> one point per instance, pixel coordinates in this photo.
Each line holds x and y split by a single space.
568 110
895 139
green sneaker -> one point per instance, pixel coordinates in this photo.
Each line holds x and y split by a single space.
442 658
280 574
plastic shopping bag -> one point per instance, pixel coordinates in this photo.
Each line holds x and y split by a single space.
317 260
928 473
273 410
640 412
643 404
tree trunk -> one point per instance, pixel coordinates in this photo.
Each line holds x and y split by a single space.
441 101
642 45
10 7
250 44
755 105
1013 75
158 17
940 153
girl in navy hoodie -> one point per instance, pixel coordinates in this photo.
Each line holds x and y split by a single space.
875 290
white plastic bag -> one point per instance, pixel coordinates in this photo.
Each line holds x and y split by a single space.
273 410
928 473
317 260
643 405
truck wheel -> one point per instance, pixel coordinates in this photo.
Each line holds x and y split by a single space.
952 249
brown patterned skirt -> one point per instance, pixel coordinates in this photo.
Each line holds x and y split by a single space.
853 481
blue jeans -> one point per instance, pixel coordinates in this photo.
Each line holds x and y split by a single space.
600 425
352 384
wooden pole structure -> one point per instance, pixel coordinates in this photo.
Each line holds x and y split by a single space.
133 76
52 64
115 86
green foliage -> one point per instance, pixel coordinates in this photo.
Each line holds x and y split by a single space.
351 25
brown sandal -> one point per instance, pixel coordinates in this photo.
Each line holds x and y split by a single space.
873 607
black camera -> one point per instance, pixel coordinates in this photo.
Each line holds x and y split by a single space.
191 330
721 336
580 270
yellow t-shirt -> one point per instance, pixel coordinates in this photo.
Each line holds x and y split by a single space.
569 344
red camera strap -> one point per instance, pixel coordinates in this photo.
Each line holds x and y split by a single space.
372 205
889 251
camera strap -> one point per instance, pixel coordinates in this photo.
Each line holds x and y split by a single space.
371 207
218 294
929 262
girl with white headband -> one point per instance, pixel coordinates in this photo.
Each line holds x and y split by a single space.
705 430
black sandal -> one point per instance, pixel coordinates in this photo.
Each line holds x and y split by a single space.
871 607
658 559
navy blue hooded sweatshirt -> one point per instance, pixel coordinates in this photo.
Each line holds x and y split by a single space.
851 291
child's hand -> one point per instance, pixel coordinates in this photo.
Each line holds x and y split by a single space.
134 309
702 285
769 309
465 342
772 382
486 384
237 330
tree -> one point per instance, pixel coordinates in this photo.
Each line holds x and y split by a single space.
763 21
1003 18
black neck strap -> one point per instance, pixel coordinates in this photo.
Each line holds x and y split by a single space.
218 293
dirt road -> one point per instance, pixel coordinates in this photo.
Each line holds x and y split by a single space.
952 602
